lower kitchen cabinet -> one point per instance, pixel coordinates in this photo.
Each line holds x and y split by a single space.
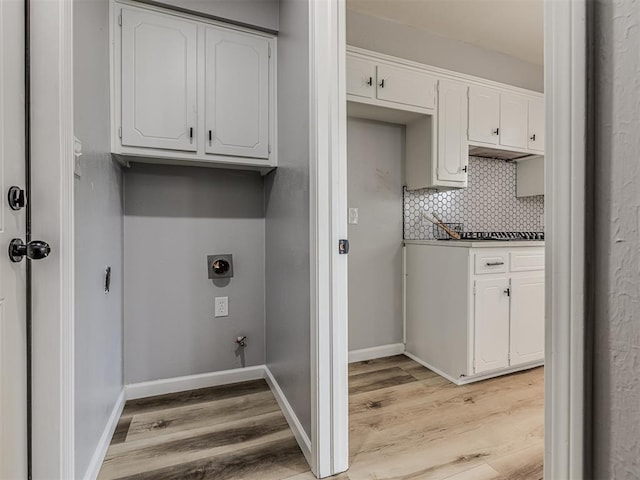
474 310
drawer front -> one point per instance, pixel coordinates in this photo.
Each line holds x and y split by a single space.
408 87
527 260
491 262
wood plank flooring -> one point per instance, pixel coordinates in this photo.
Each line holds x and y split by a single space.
406 423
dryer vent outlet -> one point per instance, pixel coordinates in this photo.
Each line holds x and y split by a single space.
220 266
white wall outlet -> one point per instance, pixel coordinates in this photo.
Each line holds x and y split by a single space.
353 216
221 307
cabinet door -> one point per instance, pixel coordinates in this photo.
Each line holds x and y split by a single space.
361 77
527 319
236 93
453 148
536 125
159 70
401 85
513 121
491 324
484 115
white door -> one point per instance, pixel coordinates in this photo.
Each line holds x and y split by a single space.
453 148
513 121
159 73
13 403
484 115
491 324
527 319
408 87
361 77
237 93
536 125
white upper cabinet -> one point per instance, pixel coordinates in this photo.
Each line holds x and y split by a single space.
453 148
513 120
361 77
484 115
191 89
527 319
159 70
236 93
536 125
405 86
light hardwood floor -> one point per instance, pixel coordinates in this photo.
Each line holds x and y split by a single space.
406 423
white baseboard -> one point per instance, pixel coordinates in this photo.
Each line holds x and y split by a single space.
193 382
433 369
376 352
292 419
105 439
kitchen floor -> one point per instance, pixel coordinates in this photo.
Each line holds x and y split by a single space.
405 423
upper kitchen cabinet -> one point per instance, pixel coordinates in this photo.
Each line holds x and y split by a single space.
484 115
513 121
159 106
191 91
236 93
536 125
453 148
361 75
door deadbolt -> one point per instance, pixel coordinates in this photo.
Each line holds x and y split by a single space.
35 250
17 198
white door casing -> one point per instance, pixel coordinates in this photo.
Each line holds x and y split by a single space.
527 319
484 115
491 324
236 93
13 402
159 104
513 120
453 148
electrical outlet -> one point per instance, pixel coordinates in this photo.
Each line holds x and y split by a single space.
221 307
353 216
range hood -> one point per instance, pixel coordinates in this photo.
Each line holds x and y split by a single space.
498 154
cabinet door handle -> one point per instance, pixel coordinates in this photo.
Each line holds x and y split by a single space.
382 83
464 169
210 136
496 131
508 292
494 264
190 133
370 82
533 137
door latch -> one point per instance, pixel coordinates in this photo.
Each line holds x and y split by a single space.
17 198
343 247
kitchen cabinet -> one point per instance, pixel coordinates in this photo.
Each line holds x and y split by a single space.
536 125
453 147
159 106
482 314
513 121
361 77
484 115
191 91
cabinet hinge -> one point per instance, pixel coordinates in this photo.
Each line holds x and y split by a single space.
269 148
120 132
474 288
120 18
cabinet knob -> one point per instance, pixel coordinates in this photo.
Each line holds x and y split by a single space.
464 169
370 82
533 137
508 292
496 131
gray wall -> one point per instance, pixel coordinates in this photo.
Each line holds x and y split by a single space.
375 178
615 275
98 235
287 219
174 218
403 41
258 13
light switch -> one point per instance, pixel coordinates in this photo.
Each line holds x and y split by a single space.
353 216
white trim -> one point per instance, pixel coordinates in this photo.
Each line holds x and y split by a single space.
292 419
105 439
565 87
376 352
328 223
192 382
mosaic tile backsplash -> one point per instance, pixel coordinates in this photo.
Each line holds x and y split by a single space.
489 203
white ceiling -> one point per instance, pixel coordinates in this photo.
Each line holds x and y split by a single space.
513 27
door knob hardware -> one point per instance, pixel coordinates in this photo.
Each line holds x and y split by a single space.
17 198
34 250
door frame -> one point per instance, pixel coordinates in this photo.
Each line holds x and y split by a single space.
565 102
52 148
